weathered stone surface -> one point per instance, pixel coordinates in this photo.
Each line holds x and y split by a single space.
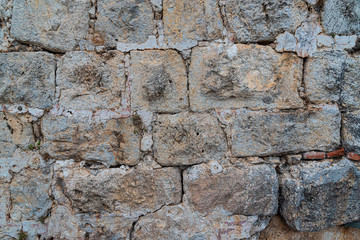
27 78
252 190
351 131
16 131
341 17
264 133
244 76
306 37
4 203
57 25
29 192
87 81
323 76
186 21
129 21
317 195
181 222
158 81
333 76
263 20
131 192
278 230
116 141
185 139
5 17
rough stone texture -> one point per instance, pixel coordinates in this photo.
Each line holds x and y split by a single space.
186 139
5 19
341 17
333 76
56 25
181 222
191 20
244 76
87 81
116 141
16 131
129 21
263 20
315 196
251 190
263 133
30 198
278 230
351 131
158 81
27 78
132 192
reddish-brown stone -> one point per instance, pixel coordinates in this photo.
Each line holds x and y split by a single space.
353 156
337 153
314 155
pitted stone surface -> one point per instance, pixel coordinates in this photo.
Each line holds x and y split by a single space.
87 81
16 131
191 20
333 76
27 78
244 76
186 139
316 195
263 20
54 25
263 133
341 17
129 21
351 131
116 141
182 222
158 81
251 190
30 197
132 193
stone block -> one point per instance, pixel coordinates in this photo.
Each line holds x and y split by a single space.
186 139
126 21
116 141
351 131
244 76
265 133
158 81
57 26
317 195
263 20
87 81
27 78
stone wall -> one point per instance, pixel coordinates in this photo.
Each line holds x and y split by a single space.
179 119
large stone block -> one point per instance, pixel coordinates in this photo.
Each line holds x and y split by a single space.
29 191
318 195
54 25
88 81
351 131
132 192
16 131
263 20
251 190
186 21
341 17
116 141
265 133
158 81
185 139
27 78
127 21
244 76
278 230
182 222
333 76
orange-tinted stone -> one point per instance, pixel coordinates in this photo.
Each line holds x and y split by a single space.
314 155
353 156
337 153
